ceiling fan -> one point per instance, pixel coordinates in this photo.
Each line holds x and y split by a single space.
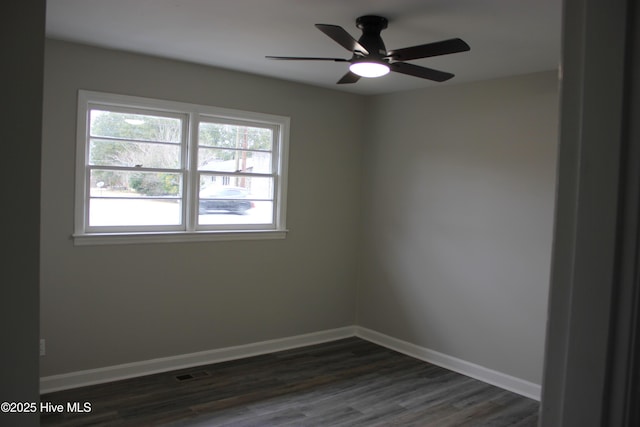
370 58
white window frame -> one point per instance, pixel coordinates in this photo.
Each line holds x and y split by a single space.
188 230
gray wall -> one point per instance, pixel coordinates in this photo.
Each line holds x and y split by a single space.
449 191
22 35
107 305
458 219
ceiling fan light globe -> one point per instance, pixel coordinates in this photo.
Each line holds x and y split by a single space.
369 69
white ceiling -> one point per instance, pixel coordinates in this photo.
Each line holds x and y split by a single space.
507 37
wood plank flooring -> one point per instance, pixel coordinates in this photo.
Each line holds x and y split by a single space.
349 382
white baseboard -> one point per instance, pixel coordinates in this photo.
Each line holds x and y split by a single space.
499 379
165 364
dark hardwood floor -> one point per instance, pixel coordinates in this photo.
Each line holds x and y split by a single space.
349 382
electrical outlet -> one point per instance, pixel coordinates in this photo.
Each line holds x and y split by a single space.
42 347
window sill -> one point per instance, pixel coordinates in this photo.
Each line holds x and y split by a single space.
175 237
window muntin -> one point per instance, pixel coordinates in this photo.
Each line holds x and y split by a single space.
153 167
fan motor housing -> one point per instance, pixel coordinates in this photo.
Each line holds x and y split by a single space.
371 26
372 22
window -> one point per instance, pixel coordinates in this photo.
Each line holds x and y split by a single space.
150 170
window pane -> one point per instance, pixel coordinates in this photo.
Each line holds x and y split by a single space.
215 159
260 213
229 186
135 126
123 212
225 199
127 153
109 183
234 136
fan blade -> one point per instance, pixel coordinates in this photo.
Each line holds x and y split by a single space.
306 58
340 36
444 47
349 78
422 72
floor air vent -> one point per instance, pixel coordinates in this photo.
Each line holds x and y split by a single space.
192 375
